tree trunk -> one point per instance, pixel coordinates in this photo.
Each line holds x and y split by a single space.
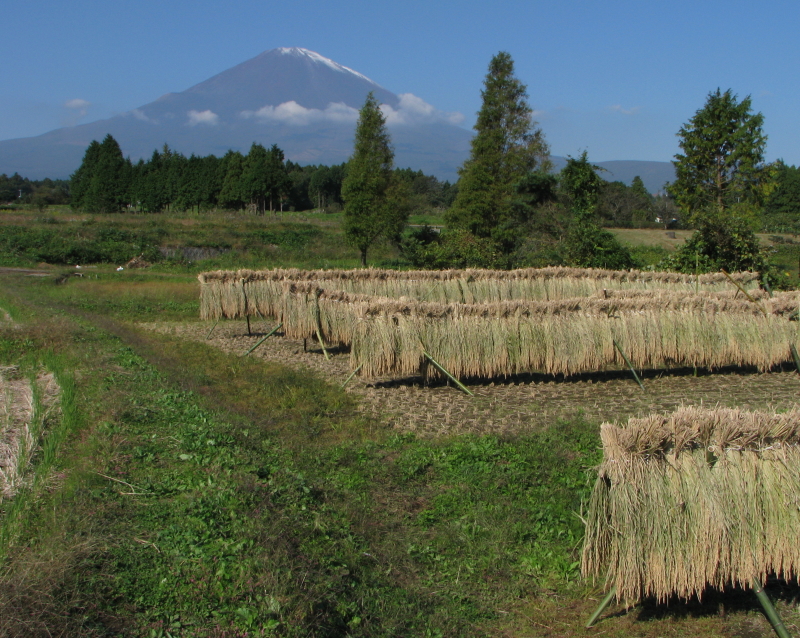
364 257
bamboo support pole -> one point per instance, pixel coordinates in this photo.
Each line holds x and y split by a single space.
208 336
267 336
322 345
743 291
795 357
352 374
770 611
445 372
630 365
601 608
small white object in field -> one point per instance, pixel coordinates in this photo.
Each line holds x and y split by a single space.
77 266
120 268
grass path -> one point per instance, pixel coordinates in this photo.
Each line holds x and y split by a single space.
202 494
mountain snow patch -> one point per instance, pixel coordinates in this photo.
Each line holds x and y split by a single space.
321 59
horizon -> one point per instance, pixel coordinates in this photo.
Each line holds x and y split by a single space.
599 78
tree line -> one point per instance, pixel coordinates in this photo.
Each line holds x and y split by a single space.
260 181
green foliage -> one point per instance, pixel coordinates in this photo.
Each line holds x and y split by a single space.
507 147
453 248
724 243
581 184
782 208
624 206
589 246
721 163
100 184
374 203
103 244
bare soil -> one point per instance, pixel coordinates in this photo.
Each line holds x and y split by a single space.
505 406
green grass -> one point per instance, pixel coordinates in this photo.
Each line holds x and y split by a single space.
228 240
198 493
212 495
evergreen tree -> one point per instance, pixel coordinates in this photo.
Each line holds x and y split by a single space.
254 180
507 146
101 180
372 203
277 177
231 166
721 163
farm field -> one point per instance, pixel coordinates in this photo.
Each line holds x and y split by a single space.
202 493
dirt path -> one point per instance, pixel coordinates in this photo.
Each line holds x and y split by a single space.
515 405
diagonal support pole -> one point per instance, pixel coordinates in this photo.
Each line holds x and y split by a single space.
208 336
445 372
267 336
630 365
601 608
352 374
770 611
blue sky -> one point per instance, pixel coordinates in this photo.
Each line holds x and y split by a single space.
615 78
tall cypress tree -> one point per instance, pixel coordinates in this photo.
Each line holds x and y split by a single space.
373 207
507 146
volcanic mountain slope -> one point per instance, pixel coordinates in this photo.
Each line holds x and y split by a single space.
295 98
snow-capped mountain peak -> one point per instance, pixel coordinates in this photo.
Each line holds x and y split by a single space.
321 59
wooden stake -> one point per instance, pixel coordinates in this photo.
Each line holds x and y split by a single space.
268 335
630 365
443 371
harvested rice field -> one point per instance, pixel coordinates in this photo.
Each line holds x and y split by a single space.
510 405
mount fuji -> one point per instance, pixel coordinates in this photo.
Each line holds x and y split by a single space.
305 103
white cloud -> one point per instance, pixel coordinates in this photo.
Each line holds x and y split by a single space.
140 115
415 110
203 117
410 110
296 115
618 108
78 109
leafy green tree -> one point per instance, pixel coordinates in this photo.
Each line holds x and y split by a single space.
507 146
782 209
588 245
373 205
721 164
581 184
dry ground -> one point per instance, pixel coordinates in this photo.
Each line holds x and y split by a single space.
511 405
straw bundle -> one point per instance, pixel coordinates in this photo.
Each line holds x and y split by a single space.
233 294
504 339
694 499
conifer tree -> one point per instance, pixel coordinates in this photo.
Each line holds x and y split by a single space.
373 205
507 146
721 165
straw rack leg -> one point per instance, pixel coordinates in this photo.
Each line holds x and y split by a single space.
795 357
208 336
352 374
268 335
445 372
601 608
770 611
630 365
